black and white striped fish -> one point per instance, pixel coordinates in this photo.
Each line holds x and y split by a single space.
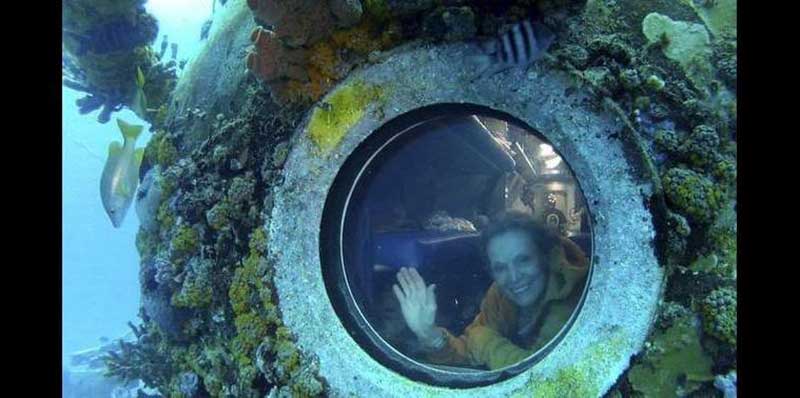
523 44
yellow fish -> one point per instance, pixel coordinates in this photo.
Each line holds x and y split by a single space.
121 173
139 101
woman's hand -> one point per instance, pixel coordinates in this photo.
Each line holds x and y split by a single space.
418 304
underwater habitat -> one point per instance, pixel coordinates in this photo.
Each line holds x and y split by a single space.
399 198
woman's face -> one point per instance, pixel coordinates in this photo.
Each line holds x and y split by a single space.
516 265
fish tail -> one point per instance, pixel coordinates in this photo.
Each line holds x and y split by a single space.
129 131
139 77
544 35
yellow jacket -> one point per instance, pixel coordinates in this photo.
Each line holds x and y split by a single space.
492 340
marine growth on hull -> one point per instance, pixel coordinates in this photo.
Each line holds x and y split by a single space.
457 245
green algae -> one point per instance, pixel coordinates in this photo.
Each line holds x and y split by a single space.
693 194
686 43
675 363
719 17
719 314
578 379
341 111
196 290
186 241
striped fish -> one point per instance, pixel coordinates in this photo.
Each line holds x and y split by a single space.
523 44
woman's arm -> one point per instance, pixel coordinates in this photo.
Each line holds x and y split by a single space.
495 319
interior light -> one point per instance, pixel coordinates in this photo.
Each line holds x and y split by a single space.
552 163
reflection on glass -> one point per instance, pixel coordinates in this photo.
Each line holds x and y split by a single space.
466 243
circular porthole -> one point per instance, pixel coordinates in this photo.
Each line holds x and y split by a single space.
455 245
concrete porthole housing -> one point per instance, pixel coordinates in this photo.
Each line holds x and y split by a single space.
414 138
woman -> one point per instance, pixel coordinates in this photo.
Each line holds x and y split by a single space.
536 285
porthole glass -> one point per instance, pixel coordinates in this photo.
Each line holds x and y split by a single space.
456 245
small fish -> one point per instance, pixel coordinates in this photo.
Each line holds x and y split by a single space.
139 102
523 44
205 29
148 198
121 173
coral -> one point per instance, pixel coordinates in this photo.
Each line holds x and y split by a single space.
165 216
160 150
240 292
402 8
212 306
688 288
601 77
279 154
165 271
692 194
642 102
81 15
576 55
141 359
302 22
602 15
654 83
287 359
365 37
686 43
450 24
241 190
719 16
677 234
724 57
707 264
218 217
612 46
160 82
721 239
103 46
670 313
679 224
341 111
701 147
347 12
330 47
189 384
255 314
258 241
668 141
674 364
196 289
146 244
629 78
185 241
719 314
330 60
376 10
270 60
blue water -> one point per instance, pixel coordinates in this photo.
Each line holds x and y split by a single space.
100 263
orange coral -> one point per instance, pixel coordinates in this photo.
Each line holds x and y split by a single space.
304 56
270 60
296 22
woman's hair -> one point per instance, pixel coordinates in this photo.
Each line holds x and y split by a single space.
544 238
